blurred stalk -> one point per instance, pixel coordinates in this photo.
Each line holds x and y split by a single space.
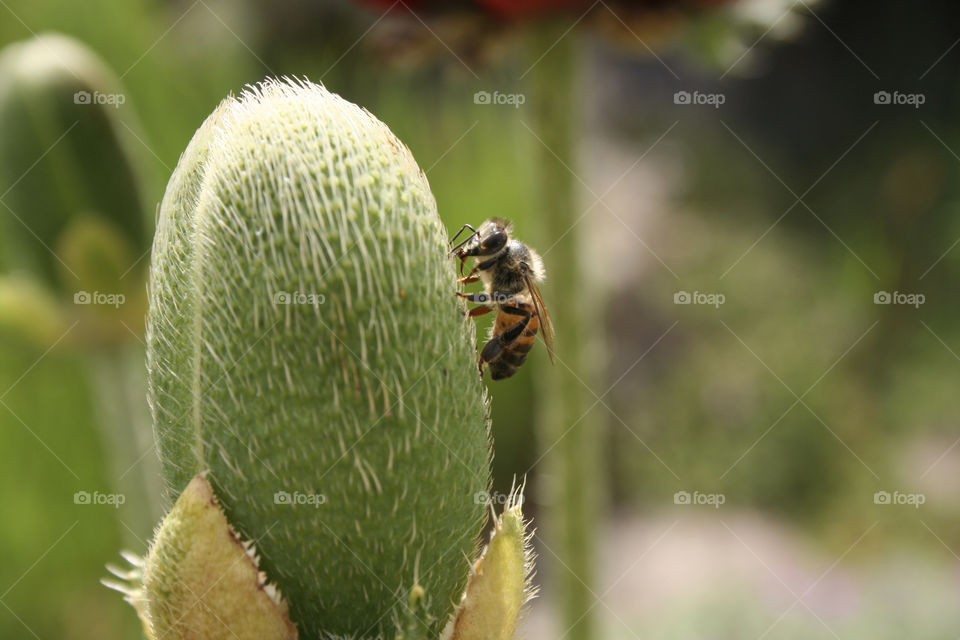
118 379
573 488
74 215
98 255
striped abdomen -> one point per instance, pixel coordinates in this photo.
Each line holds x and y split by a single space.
514 354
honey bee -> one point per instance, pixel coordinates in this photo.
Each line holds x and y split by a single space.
509 271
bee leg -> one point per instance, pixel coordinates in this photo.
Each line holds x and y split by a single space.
480 297
477 298
486 264
468 279
491 351
479 311
481 266
494 347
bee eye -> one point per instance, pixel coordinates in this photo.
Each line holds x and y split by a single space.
494 241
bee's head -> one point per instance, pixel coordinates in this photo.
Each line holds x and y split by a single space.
489 239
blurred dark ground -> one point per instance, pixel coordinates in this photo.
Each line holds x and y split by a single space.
711 206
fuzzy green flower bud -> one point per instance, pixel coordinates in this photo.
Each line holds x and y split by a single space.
306 351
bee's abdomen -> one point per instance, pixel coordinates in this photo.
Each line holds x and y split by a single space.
515 353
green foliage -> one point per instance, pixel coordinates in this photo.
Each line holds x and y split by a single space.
53 546
28 310
303 338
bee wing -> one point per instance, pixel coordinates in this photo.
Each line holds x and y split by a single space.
546 326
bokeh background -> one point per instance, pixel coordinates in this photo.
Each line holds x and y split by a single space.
734 155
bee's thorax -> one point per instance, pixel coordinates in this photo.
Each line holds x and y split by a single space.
506 274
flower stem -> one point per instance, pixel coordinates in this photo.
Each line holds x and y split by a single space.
566 428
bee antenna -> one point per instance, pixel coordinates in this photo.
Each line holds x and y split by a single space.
457 235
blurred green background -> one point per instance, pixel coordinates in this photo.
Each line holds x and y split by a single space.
799 198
